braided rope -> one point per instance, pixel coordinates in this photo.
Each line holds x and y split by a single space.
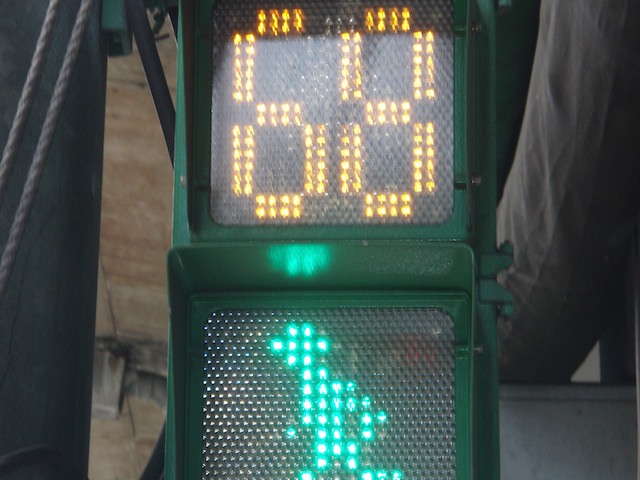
44 142
27 96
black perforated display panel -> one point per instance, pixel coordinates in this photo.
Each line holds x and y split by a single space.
324 394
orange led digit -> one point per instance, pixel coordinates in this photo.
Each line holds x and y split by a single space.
278 114
351 66
297 20
431 76
280 22
243 62
243 157
332 108
351 159
381 20
424 65
395 20
316 159
274 22
283 206
387 19
387 204
262 18
369 20
388 112
424 157
430 184
405 20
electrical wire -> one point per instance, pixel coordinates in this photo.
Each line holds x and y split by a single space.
137 16
635 299
154 469
27 96
44 142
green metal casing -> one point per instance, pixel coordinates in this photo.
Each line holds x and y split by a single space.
451 265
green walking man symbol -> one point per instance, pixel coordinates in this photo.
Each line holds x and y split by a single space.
330 408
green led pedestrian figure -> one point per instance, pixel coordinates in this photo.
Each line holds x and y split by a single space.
341 420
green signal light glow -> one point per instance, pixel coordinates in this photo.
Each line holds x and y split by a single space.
323 345
367 419
337 420
300 260
349 426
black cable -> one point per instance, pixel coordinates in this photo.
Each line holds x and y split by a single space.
173 16
635 300
155 466
40 454
137 16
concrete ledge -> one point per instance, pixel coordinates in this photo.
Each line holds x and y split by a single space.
585 432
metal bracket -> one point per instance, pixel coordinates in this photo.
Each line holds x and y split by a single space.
489 290
116 28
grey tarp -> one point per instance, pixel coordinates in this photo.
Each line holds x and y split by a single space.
573 194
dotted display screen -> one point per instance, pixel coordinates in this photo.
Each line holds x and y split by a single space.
332 112
325 394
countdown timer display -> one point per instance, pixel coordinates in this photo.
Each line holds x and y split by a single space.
332 113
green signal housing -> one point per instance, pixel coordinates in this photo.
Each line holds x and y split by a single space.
320 334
